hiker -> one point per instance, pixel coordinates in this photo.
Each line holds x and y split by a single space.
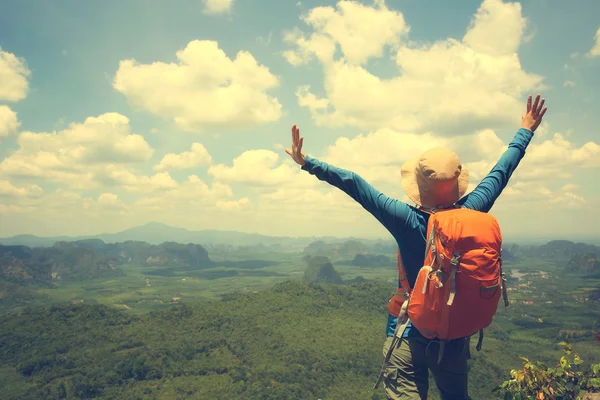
435 179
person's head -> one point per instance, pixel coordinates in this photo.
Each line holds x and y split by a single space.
435 179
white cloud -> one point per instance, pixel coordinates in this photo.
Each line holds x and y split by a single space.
595 50
13 77
204 90
449 86
231 205
81 155
559 151
479 151
569 83
378 156
110 201
63 204
361 32
497 28
190 159
191 194
260 168
7 189
217 6
121 177
525 193
8 121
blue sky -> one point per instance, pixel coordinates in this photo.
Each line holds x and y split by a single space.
402 75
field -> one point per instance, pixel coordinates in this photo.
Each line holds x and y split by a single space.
144 287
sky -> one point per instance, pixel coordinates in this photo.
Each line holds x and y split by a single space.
114 114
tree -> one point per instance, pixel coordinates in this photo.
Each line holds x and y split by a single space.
566 381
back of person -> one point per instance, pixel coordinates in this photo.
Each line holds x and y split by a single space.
435 178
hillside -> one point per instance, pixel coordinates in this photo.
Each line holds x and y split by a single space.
557 250
585 263
92 258
320 270
294 341
24 265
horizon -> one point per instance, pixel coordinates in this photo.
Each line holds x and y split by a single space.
524 240
116 115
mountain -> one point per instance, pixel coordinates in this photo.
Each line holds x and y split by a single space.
556 250
586 263
320 270
22 264
93 258
157 233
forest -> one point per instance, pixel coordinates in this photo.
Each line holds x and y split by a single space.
317 334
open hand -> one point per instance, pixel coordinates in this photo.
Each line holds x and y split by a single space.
296 152
533 117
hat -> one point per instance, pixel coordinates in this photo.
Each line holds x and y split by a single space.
435 178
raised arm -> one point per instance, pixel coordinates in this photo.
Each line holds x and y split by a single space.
391 213
482 198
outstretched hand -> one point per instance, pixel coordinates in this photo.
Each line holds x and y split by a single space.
533 117
296 152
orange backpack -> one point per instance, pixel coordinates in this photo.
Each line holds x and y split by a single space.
458 289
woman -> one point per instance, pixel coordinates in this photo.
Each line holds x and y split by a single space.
435 179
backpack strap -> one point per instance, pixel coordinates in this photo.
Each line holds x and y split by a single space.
480 341
402 277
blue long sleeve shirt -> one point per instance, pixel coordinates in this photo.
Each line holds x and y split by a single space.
407 224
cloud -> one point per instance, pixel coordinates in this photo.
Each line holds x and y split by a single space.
233 205
191 194
121 177
8 121
61 206
191 204
379 155
595 50
7 189
82 155
560 152
110 201
204 90
13 77
568 83
265 41
260 168
449 86
212 7
524 193
362 32
190 159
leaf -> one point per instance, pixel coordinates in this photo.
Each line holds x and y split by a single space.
594 383
577 360
596 369
518 396
540 396
564 362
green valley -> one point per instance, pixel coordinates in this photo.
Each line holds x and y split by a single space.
133 320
